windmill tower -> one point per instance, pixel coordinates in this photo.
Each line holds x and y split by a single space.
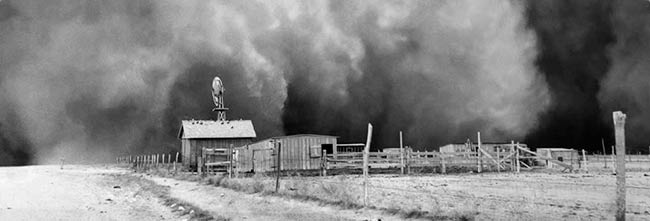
217 97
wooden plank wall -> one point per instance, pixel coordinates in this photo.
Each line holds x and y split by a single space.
192 147
296 153
257 157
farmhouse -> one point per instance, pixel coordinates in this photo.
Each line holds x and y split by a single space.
198 134
297 152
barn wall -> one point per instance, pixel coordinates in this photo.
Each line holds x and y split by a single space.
192 147
256 157
297 153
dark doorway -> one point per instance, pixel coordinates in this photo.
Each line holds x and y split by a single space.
329 148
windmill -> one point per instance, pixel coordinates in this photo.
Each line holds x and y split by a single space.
217 97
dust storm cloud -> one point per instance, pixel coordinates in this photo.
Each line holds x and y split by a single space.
87 80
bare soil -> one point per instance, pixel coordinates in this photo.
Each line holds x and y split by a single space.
76 193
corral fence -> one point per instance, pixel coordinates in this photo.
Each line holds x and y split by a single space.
513 157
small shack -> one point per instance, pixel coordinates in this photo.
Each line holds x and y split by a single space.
566 155
198 134
297 152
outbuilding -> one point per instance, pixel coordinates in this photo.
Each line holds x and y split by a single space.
198 134
297 152
565 155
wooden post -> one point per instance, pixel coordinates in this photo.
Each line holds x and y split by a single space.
511 153
401 153
602 142
613 161
366 152
619 134
478 153
278 164
444 166
408 160
163 159
584 160
323 162
230 158
175 161
498 149
517 158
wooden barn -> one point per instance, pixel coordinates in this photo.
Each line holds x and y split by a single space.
297 152
198 134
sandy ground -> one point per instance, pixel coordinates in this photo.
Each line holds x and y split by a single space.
88 193
74 193
542 195
243 206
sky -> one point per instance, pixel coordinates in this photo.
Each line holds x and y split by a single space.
87 80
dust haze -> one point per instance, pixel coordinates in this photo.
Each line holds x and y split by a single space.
88 80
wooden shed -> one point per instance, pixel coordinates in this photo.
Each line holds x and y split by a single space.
568 156
297 152
198 134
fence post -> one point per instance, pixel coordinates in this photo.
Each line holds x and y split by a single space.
602 142
498 149
230 158
401 153
175 162
478 153
584 160
619 134
409 159
366 152
517 158
444 166
323 163
613 161
278 164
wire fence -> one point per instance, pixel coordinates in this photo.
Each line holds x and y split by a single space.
537 194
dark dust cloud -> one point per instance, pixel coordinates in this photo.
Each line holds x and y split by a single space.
89 80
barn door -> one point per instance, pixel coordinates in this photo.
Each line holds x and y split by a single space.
262 160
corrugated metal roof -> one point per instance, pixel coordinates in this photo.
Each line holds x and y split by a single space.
191 129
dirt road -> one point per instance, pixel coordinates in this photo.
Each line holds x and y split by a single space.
110 193
75 193
243 206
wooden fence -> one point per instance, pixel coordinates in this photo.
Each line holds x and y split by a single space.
150 161
506 158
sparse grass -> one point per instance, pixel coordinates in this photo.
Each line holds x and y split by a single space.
340 192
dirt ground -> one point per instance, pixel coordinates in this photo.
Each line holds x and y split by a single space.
535 195
541 195
111 193
75 193
244 206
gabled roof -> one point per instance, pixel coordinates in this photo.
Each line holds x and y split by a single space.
191 129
